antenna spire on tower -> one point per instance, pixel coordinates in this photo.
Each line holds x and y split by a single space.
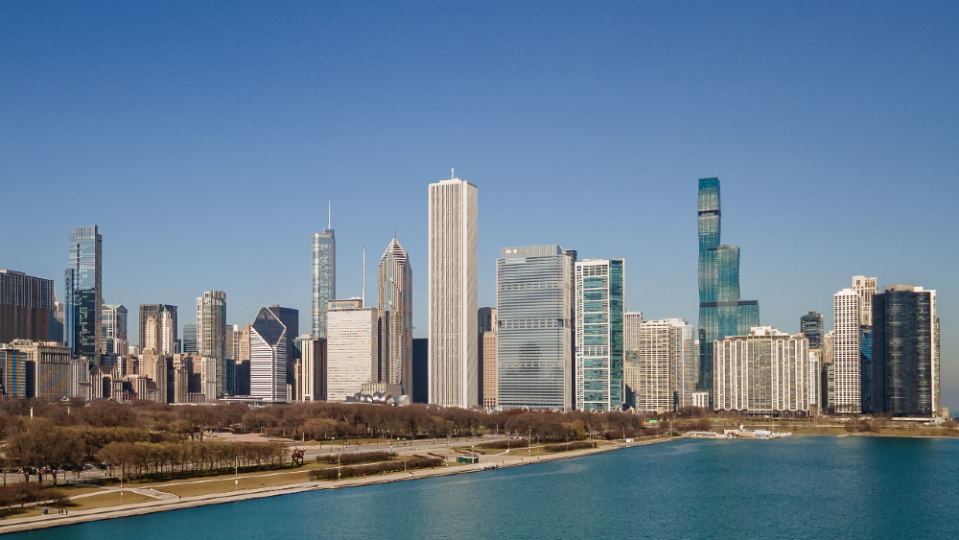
452 173
364 275
329 223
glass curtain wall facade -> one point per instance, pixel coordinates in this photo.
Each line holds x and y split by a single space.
27 307
395 306
268 357
534 311
905 352
813 327
211 334
721 312
84 293
324 278
114 330
598 321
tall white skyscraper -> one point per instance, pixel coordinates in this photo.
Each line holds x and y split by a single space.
662 364
846 351
453 370
351 348
866 287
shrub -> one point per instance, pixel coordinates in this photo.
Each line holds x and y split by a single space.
417 462
358 457
502 444
571 446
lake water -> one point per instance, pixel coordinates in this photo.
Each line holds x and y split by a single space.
798 487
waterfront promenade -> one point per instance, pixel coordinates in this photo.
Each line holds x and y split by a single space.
164 501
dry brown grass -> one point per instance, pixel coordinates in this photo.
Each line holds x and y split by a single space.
108 499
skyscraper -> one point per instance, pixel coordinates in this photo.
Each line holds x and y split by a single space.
599 300
268 357
27 307
905 351
189 338
846 352
812 326
351 348
313 377
211 334
113 333
535 312
662 363
395 306
158 328
324 276
866 288
84 293
721 312
765 372
452 319
291 320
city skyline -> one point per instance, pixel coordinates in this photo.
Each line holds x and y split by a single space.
800 139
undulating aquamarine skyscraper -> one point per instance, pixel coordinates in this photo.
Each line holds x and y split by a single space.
324 276
721 312
599 334
84 293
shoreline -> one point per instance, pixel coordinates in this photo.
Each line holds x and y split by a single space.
31 523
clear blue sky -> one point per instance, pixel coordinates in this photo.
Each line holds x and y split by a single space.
205 140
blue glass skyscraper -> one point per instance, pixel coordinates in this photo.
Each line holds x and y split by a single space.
721 312
84 293
324 277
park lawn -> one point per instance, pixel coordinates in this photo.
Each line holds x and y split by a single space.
223 486
15 513
108 499
73 491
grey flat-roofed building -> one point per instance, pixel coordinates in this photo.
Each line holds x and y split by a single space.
27 307
534 312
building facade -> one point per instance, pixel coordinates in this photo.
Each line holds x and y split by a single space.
534 317
812 325
268 357
324 277
905 353
352 348
846 352
721 311
490 370
395 306
452 281
866 288
48 368
599 297
211 333
84 293
765 372
661 365
314 368
158 328
113 332
27 307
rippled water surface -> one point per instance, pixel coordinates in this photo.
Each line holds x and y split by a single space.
799 487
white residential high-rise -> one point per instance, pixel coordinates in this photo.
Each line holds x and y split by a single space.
453 363
765 372
313 374
846 351
351 348
662 363
866 287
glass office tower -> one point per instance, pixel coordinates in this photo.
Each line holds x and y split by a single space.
84 293
534 312
721 312
211 333
599 334
324 277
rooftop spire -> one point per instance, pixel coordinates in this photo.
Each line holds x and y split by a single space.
329 222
